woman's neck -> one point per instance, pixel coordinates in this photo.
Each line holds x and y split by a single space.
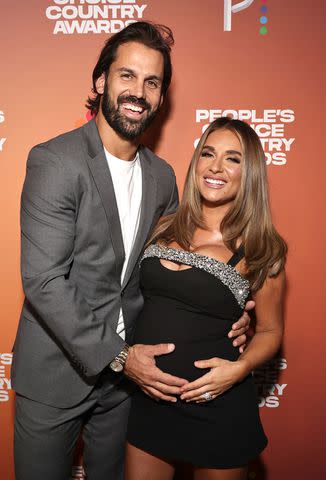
213 216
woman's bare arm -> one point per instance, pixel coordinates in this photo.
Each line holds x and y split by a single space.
263 346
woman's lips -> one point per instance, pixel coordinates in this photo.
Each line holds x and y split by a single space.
214 182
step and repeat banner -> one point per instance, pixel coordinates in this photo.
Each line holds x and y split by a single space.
257 60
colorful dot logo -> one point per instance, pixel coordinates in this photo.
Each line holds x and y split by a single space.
263 19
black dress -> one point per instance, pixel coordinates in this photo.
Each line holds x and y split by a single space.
194 308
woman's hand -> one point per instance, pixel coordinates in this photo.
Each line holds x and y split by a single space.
222 376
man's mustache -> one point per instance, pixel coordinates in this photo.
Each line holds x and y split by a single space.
138 102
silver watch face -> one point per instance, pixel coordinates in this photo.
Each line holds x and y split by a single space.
116 366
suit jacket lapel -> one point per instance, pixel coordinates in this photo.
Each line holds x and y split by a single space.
102 177
147 211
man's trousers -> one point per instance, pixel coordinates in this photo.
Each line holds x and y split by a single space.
46 436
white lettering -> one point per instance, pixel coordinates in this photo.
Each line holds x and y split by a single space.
276 158
230 113
93 16
140 10
59 27
5 382
2 142
4 396
5 358
280 388
202 115
92 2
114 11
288 143
271 402
244 115
287 116
269 125
229 9
53 16
270 115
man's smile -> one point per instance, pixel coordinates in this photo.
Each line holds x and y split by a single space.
132 111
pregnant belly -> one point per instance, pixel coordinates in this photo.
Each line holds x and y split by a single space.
196 336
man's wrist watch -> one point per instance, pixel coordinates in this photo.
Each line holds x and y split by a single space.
118 363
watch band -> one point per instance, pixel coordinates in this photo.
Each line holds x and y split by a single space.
119 361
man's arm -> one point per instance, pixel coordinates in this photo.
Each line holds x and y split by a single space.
48 211
173 202
241 330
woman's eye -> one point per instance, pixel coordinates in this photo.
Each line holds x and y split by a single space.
234 159
206 154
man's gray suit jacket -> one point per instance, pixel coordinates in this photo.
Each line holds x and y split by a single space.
72 256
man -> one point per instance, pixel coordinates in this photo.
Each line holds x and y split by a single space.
90 200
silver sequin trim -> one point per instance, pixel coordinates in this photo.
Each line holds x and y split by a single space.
228 275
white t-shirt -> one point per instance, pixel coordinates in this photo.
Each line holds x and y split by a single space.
127 182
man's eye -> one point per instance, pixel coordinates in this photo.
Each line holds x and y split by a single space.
152 84
126 75
206 154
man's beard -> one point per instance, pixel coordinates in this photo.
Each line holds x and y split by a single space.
127 128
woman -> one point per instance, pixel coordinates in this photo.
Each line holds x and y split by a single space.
202 264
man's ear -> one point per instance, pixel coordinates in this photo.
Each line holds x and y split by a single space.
99 84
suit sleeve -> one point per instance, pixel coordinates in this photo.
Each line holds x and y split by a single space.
174 197
49 206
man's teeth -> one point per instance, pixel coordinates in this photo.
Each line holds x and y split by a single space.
134 108
214 182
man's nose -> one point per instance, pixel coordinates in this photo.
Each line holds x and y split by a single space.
137 89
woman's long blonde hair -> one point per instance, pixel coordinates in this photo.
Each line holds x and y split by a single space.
248 220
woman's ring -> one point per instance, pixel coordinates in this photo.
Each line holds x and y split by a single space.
207 396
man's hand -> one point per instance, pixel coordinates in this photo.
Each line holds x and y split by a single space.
240 328
141 368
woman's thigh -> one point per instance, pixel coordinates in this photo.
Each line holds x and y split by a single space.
141 465
220 474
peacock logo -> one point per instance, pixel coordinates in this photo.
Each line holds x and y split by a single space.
231 8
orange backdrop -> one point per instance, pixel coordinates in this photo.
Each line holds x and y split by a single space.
263 64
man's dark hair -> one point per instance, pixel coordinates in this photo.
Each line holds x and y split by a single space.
158 37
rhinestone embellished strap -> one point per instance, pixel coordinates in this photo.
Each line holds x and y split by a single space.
227 274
